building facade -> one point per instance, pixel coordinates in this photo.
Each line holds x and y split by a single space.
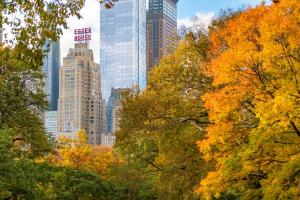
80 101
161 30
108 139
51 65
50 121
116 117
112 109
1 33
123 46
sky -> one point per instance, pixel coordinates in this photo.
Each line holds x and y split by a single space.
186 9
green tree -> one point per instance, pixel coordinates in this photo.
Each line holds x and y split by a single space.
23 178
22 101
160 126
21 80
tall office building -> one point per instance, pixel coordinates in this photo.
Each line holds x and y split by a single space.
50 121
161 30
112 109
123 45
51 64
80 102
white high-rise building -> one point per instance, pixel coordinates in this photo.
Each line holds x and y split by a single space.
50 121
80 100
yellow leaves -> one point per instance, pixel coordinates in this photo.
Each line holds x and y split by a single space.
218 135
211 185
76 153
285 183
255 105
281 110
224 102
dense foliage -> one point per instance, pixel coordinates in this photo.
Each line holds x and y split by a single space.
219 118
160 126
235 92
254 109
22 102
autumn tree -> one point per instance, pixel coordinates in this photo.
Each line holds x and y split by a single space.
159 127
21 54
78 154
22 100
254 106
21 178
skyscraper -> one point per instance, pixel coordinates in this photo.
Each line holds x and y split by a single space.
161 30
80 102
50 121
51 64
123 45
113 103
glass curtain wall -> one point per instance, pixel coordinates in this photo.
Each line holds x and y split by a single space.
123 46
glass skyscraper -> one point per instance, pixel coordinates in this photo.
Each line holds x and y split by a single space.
161 30
123 46
51 63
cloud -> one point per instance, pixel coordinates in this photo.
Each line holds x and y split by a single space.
202 18
91 19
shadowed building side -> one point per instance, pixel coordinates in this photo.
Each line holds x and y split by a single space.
161 30
51 65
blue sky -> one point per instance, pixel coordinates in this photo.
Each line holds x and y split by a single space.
189 8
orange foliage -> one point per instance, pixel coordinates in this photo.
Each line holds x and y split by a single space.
255 106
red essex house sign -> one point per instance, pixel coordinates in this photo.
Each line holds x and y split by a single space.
82 34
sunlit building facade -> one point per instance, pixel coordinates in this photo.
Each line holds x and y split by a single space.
80 101
161 30
108 139
50 121
123 46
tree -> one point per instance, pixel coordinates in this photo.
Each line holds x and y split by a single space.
21 80
22 97
22 135
77 154
254 106
23 178
159 126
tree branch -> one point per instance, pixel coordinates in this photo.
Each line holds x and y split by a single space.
151 163
18 139
295 128
262 176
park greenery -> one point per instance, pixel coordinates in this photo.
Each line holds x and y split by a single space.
219 118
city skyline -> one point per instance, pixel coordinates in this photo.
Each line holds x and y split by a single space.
185 11
122 55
